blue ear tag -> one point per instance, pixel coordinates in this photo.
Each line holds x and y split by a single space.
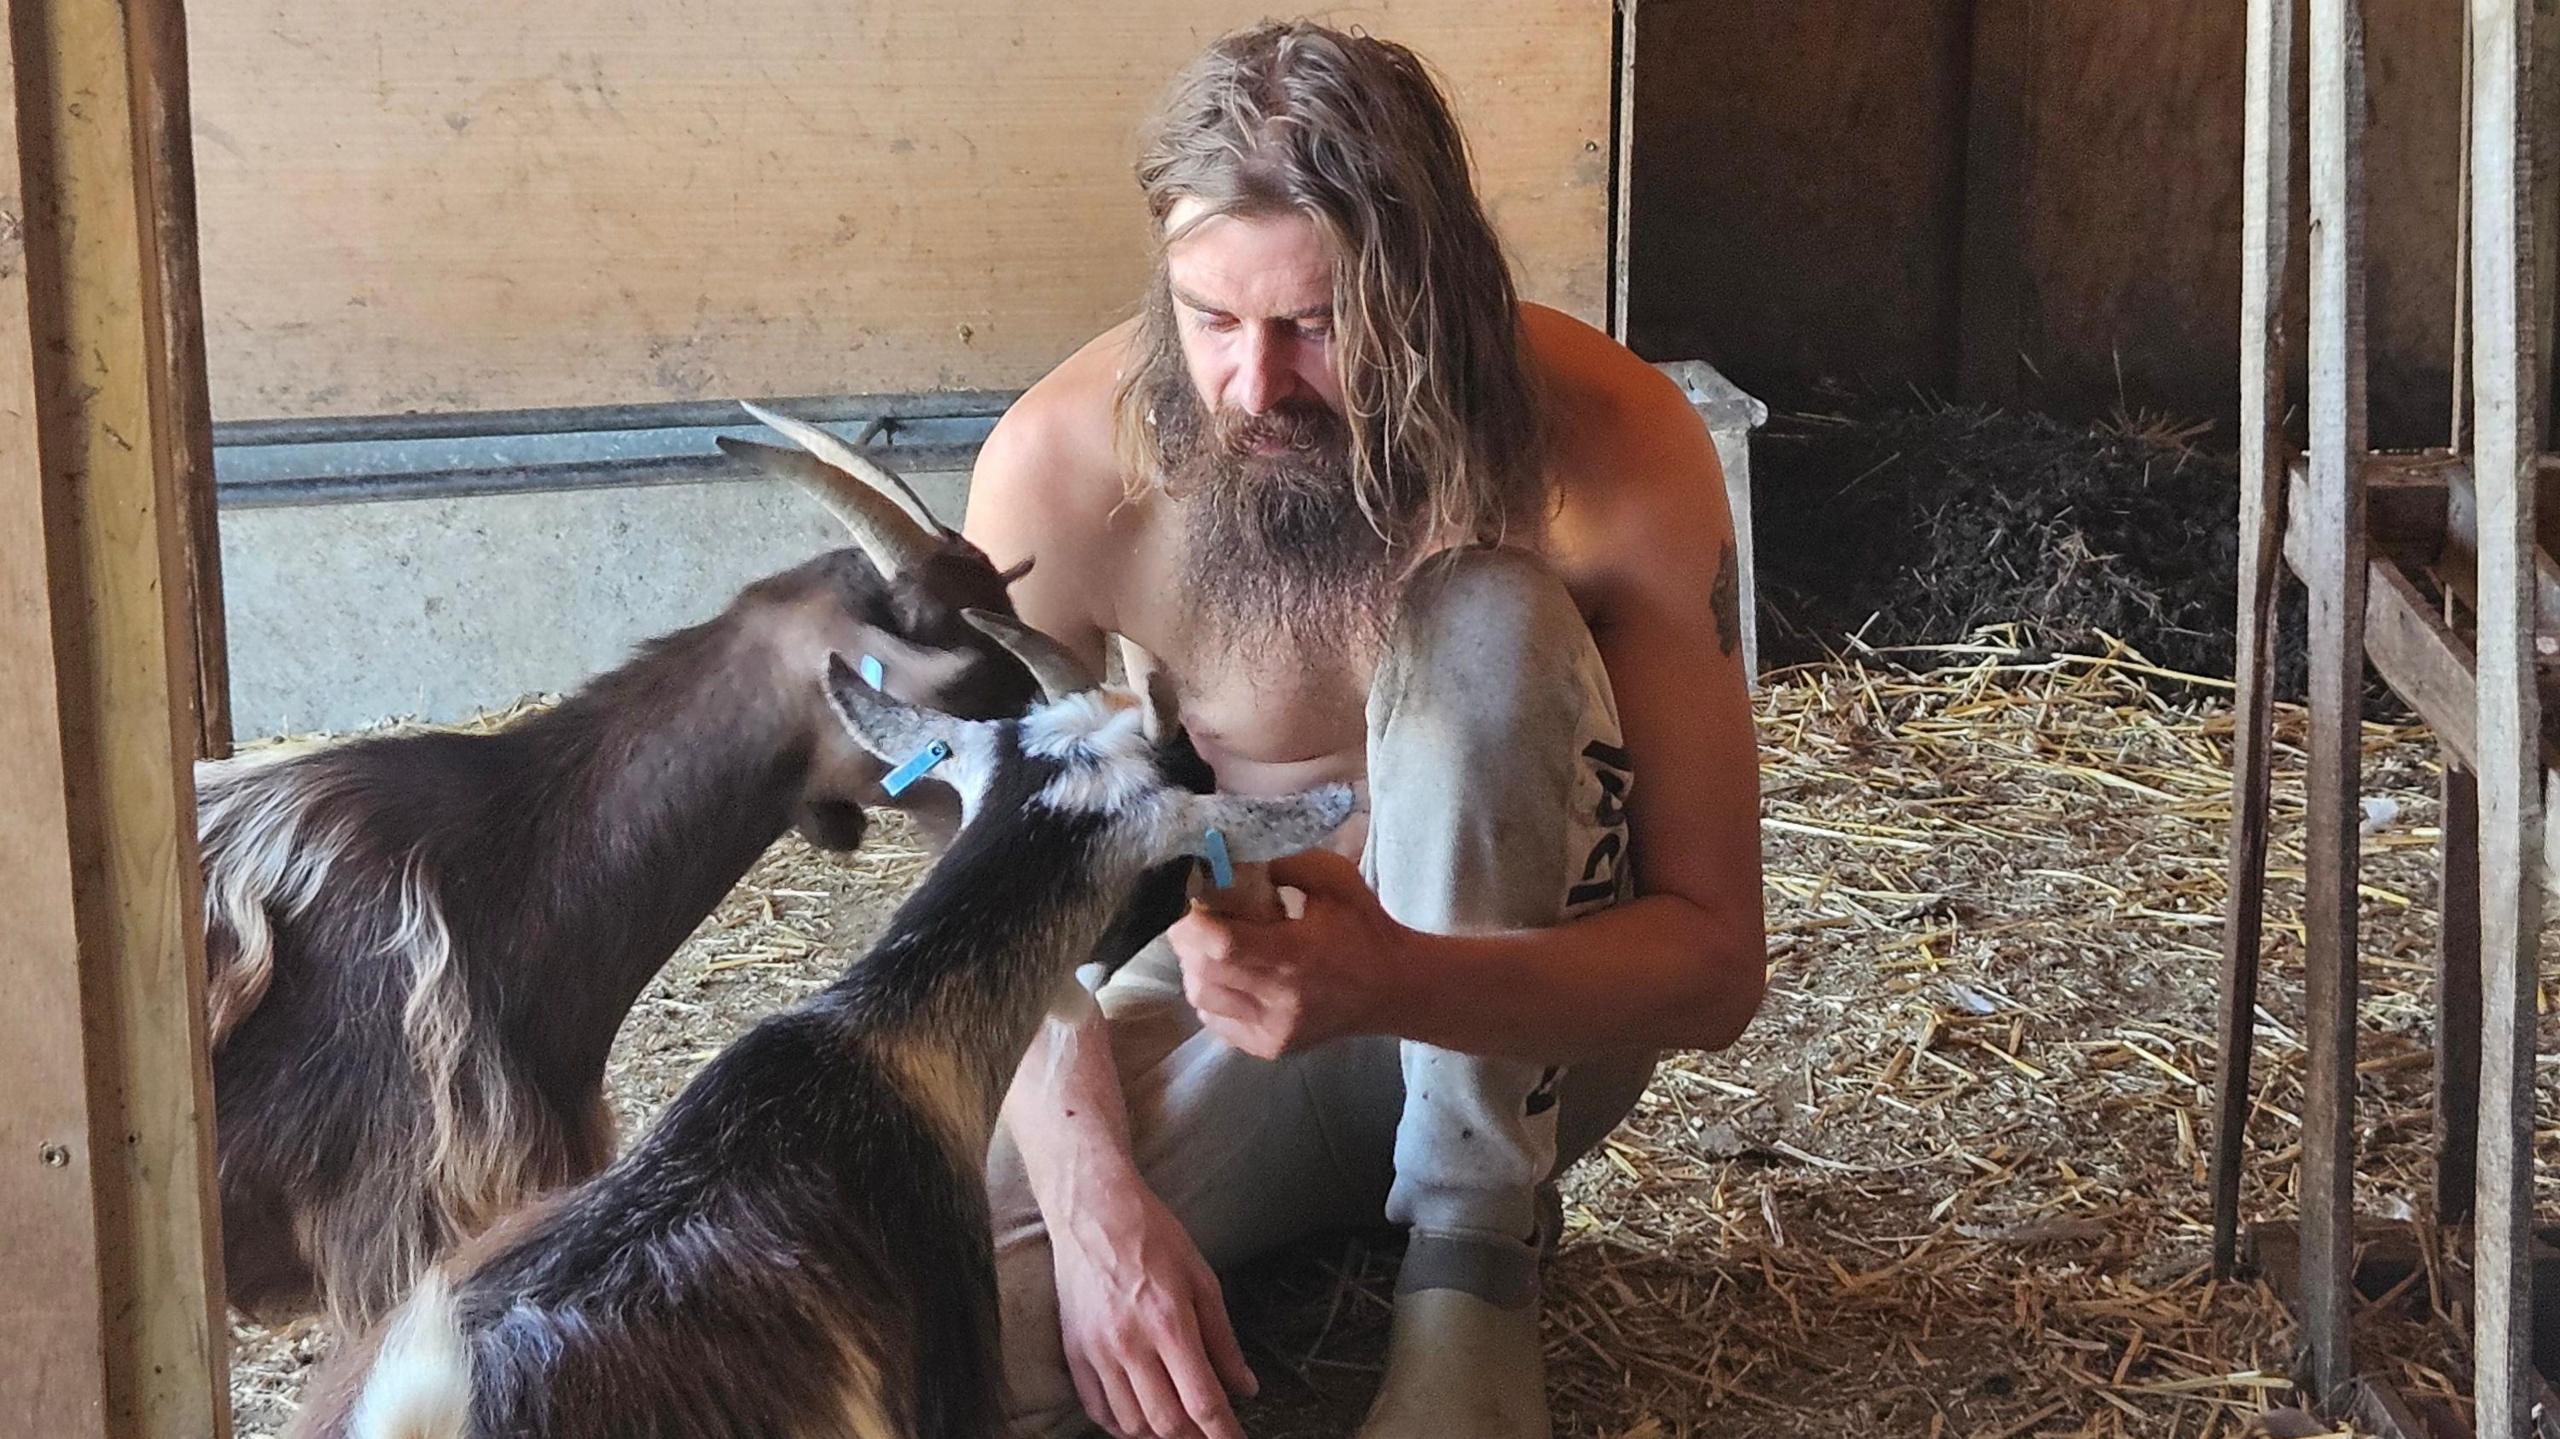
872 674
914 769
1222 871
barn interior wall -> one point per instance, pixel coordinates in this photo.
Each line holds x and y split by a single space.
1806 180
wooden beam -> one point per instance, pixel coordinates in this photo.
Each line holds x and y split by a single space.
2507 320
2541 100
1993 303
2379 1410
109 1310
2457 1070
2266 219
2458 437
1622 188
182 407
2334 531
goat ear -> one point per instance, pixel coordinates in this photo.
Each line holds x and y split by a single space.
896 733
1256 830
1164 711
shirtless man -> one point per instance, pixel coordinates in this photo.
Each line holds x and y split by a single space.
1375 520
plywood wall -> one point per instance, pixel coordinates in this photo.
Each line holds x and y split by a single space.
2133 256
436 206
1797 186
1816 172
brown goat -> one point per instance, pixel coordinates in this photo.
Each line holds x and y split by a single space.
420 946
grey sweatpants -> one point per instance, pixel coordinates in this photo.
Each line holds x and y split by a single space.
1498 782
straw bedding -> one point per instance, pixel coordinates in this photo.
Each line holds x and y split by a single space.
1951 1181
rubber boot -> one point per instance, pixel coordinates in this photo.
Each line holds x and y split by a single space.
1464 1359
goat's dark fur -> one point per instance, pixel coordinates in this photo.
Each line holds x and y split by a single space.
420 946
801 1244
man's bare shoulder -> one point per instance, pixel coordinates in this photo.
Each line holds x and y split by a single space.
1052 452
1633 464
1048 487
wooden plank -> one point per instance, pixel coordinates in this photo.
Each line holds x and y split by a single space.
2334 530
2459 429
2457 1070
183 411
1622 169
1993 299
2459 562
2505 328
2543 89
2424 662
104 834
409 206
2379 1410
2267 218
54 1380
2407 502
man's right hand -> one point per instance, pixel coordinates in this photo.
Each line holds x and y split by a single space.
1146 1330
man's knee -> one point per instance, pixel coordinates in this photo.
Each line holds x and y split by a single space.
1490 638
1481 605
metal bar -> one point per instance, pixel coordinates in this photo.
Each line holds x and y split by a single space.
692 414
2266 220
2506 321
546 478
2335 533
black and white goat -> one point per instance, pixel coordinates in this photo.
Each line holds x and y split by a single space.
800 1245
420 946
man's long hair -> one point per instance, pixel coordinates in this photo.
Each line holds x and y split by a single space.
1445 432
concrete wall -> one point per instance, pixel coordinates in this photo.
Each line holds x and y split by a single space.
343 616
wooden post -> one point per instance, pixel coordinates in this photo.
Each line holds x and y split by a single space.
2458 995
2266 220
2334 530
183 408
110 1314
2458 436
2507 316
1622 192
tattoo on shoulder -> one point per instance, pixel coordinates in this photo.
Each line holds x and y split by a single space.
1728 599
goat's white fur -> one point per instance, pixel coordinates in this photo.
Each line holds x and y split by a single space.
1102 735
420 1387
260 856
266 858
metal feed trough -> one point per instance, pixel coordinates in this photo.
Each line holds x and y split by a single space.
2361 529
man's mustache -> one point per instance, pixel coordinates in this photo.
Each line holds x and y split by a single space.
1296 425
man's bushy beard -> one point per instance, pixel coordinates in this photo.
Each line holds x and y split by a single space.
1274 545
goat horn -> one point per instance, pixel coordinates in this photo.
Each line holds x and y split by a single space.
883 530
1059 672
850 460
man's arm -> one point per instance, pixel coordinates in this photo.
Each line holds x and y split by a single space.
1141 1319
1682 964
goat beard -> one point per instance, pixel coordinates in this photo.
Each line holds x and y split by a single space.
1276 546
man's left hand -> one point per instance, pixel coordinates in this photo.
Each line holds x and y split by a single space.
1278 986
